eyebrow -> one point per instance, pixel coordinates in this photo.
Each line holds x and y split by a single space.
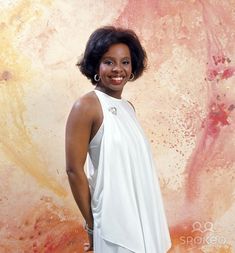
113 58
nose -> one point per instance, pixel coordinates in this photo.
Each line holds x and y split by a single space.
117 68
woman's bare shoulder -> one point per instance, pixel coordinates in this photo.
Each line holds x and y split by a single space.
86 105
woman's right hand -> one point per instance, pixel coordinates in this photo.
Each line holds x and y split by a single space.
89 245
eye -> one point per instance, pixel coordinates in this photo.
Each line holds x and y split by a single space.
108 62
126 62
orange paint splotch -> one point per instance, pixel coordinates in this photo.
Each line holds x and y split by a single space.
184 236
196 237
47 228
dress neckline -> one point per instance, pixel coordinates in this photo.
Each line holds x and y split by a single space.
108 96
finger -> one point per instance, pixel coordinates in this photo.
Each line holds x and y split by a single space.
87 247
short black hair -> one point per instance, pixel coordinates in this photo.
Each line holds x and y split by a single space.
99 43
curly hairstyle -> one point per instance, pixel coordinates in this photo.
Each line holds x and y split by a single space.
100 41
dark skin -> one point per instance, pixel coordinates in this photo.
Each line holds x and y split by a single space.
84 121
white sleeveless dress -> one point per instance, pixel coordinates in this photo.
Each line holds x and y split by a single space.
126 200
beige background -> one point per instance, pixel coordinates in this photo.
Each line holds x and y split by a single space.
184 102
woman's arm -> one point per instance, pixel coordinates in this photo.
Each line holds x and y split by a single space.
78 131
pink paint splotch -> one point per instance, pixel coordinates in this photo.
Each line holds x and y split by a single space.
206 29
219 116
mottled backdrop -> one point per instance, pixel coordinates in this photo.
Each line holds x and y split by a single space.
185 101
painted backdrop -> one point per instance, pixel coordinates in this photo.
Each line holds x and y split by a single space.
185 101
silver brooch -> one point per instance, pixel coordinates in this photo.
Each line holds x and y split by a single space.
113 110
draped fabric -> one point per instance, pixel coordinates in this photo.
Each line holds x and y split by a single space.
126 200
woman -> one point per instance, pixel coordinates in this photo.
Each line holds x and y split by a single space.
119 197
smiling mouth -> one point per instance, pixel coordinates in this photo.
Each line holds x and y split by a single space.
118 78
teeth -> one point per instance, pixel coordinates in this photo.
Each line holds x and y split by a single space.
117 78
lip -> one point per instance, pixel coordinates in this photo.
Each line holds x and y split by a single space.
116 80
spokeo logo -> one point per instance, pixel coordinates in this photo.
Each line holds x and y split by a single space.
198 226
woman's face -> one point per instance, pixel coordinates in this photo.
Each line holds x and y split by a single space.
115 67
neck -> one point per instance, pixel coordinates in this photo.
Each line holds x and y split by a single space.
112 93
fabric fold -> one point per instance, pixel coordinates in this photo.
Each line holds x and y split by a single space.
126 200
